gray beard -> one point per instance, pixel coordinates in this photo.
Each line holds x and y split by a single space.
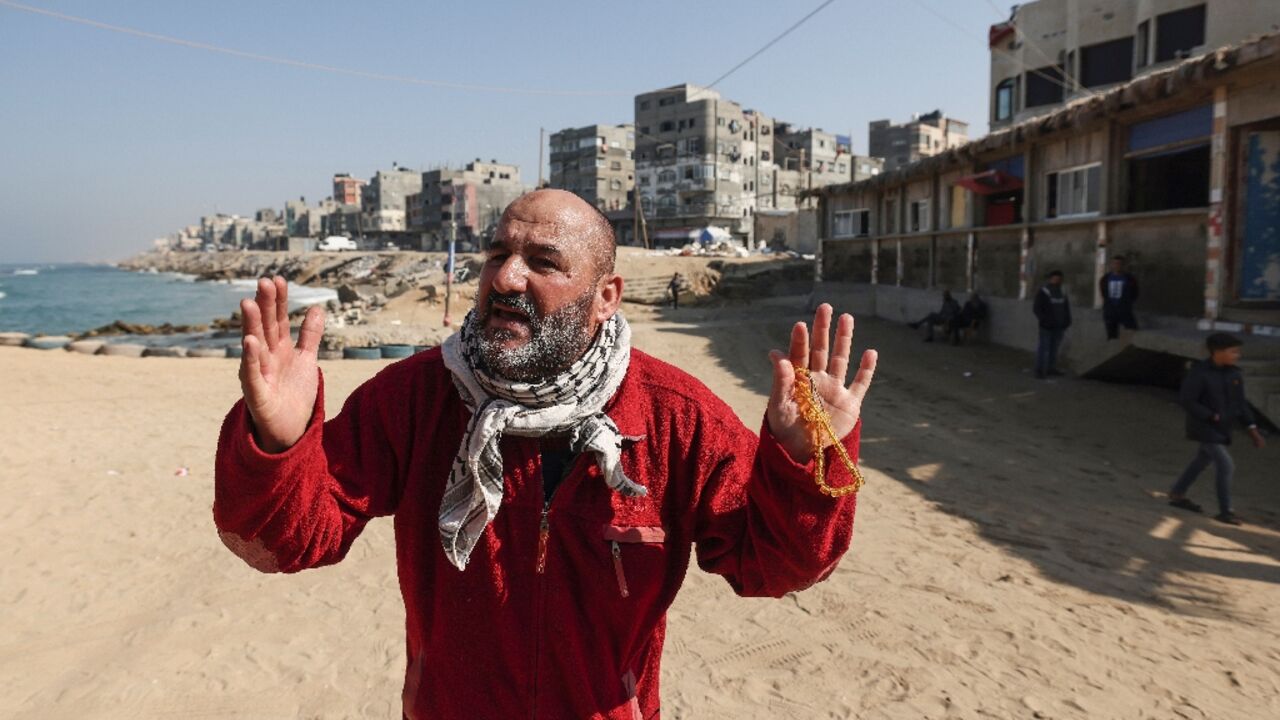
556 340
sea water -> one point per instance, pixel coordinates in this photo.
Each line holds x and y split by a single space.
73 298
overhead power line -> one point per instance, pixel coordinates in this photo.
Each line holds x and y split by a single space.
770 44
289 62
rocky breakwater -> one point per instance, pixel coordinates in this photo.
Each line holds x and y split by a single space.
366 284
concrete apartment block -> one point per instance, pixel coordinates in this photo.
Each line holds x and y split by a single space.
383 199
346 189
596 162
701 161
1052 52
469 200
925 136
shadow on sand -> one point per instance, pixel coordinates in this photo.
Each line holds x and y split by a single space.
1068 475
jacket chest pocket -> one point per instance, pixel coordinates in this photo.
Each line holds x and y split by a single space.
637 554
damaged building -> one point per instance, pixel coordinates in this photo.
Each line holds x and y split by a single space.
1178 169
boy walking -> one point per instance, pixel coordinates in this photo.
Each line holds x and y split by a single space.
1213 396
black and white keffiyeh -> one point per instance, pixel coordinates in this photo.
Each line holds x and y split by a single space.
571 403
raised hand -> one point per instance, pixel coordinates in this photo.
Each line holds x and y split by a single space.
827 369
279 380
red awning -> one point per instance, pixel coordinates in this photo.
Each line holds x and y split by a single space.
990 182
999 32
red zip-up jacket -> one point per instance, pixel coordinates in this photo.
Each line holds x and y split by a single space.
561 612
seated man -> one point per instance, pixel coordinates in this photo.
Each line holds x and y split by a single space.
969 319
944 317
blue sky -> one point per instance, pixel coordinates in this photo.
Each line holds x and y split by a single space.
111 140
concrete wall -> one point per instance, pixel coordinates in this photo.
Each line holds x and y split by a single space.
916 257
996 263
887 263
1071 250
951 253
1167 256
847 261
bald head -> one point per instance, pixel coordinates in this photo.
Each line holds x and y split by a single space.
574 222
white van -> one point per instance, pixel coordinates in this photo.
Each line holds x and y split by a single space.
336 242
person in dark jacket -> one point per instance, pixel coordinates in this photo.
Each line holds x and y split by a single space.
1213 396
1053 310
970 317
1119 290
945 316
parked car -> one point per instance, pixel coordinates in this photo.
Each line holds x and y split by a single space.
336 243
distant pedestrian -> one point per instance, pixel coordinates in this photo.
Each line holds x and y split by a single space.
944 317
1213 396
1119 292
673 287
1053 310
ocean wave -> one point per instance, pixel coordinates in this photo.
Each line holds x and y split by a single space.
26 271
2 295
303 295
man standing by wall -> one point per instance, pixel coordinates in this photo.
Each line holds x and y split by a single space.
1119 292
1053 311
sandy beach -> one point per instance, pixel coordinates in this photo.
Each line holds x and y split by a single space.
1013 555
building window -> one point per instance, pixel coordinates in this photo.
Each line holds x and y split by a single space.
1179 32
663 102
851 223
764 155
692 123
644 181
644 104
1106 63
644 130
1073 192
919 215
615 184
1044 86
666 126
695 146
1005 100
1142 45
1167 163
615 165
890 217
667 176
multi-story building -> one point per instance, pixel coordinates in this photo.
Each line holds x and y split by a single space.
816 158
926 135
346 189
1051 52
294 210
596 163
1175 170
383 199
468 201
343 219
702 162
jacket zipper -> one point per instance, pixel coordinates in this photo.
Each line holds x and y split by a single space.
617 569
544 533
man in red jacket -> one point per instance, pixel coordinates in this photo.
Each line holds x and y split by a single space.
548 483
